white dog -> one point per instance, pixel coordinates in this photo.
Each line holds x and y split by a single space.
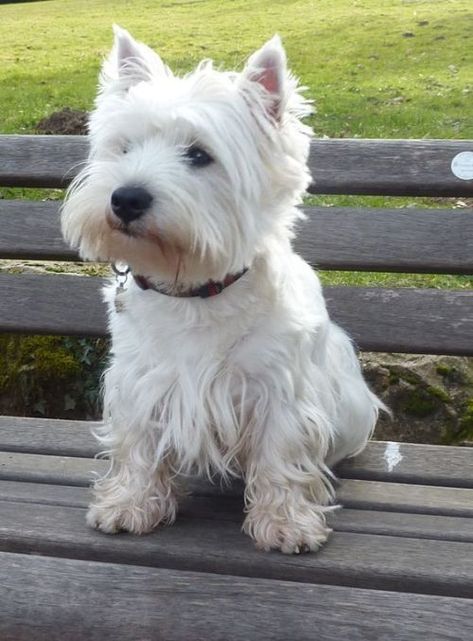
224 360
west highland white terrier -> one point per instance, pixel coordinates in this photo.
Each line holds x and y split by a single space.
224 360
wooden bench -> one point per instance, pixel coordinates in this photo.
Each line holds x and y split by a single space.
400 562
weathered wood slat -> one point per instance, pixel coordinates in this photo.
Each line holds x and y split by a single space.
392 240
338 166
40 161
403 497
52 304
30 229
48 436
414 463
332 237
419 526
223 507
351 493
407 319
63 470
387 167
46 598
422 321
359 494
207 545
44 493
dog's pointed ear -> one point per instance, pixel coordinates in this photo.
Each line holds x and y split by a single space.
268 68
129 63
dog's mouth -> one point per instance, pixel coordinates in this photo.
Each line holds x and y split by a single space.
139 231
131 230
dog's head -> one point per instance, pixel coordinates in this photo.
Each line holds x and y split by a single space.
190 176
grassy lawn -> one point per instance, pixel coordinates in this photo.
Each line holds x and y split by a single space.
376 68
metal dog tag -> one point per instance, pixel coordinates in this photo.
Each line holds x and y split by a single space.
121 277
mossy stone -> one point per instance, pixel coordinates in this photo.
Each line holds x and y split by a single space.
419 402
50 376
466 421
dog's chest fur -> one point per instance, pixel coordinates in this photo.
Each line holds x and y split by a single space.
203 371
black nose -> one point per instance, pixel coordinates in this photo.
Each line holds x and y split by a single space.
129 203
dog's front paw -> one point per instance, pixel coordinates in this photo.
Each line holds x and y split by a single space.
273 531
130 518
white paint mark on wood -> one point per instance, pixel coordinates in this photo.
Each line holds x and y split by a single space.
392 455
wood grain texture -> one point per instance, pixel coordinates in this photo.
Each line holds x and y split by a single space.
418 464
392 240
331 238
206 545
52 304
44 493
403 497
422 321
49 599
31 229
338 166
359 494
387 167
40 161
407 319
63 470
418 526
48 436
222 507
424 464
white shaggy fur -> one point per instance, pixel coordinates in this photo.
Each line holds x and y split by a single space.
256 381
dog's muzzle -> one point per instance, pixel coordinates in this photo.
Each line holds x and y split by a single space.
130 203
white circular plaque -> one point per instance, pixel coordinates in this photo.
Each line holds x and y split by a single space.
462 165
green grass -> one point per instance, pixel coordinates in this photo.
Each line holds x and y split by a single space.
368 78
381 279
375 68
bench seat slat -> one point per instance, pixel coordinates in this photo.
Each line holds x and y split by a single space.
403 497
391 320
128 603
351 493
61 470
229 508
352 559
374 514
419 464
432 464
48 436
332 237
341 166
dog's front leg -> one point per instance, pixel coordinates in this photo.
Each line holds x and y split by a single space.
137 494
287 487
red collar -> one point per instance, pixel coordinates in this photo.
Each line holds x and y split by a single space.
211 288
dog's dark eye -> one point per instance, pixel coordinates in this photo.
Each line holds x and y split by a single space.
197 157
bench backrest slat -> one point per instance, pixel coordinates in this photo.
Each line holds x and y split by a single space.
388 167
402 240
379 319
409 240
397 320
350 166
